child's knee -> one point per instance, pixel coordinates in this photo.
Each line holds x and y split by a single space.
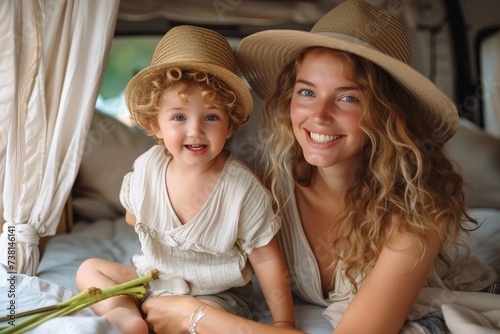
87 269
87 266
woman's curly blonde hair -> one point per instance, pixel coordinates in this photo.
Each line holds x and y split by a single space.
405 184
215 93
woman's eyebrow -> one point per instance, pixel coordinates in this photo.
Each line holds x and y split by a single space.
342 88
305 82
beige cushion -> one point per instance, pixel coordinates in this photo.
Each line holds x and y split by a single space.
109 153
478 153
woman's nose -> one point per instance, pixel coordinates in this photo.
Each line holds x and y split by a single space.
323 111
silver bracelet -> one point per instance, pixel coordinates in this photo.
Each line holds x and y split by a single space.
195 317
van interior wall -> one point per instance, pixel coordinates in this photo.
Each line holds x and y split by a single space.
489 86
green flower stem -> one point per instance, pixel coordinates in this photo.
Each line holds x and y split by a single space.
78 306
83 300
31 312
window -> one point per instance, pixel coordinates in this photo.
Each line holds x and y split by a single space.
128 55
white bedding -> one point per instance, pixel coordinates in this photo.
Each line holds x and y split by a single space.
115 240
32 292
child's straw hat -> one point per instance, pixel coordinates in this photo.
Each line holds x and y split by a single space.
190 48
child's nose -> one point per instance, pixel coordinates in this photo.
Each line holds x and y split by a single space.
195 128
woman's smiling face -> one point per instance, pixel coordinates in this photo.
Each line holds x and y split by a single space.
326 110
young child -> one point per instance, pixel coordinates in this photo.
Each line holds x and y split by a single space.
203 219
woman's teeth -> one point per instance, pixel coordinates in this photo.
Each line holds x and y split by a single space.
322 138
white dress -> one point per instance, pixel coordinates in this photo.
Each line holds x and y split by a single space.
208 254
447 293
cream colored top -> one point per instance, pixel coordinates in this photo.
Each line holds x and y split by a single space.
461 275
209 253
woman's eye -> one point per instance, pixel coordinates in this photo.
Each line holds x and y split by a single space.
179 118
306 92
211 118
349 98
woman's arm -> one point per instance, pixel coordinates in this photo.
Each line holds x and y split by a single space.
385 300
270 270
171 314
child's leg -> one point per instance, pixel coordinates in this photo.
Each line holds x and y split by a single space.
235 300
122 311
211 303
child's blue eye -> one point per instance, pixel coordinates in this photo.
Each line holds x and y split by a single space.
211 118
179 118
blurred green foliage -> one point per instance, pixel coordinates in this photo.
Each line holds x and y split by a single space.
128 55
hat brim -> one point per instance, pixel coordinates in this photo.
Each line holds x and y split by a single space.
262 55
139 87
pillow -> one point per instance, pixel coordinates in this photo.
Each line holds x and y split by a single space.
485 241
244 142
478 154
109 153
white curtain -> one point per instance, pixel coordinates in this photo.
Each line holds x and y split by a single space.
490 82
52 60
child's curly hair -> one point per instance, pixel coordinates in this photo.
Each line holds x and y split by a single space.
215 93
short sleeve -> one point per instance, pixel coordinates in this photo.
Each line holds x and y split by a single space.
125 193
263 235
258 223
142 181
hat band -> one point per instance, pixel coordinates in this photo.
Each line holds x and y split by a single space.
347 38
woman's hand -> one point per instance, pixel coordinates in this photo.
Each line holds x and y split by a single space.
169 314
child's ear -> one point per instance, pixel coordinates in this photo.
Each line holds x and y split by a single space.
229 132
155 129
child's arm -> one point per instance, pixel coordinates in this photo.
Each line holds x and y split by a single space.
271 272
130 218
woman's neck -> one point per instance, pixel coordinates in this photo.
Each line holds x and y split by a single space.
330 182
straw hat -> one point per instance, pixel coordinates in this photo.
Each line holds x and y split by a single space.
360 28
190 48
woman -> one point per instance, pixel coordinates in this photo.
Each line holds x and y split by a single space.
373 211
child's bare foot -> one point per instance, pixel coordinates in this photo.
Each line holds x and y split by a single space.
127 321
